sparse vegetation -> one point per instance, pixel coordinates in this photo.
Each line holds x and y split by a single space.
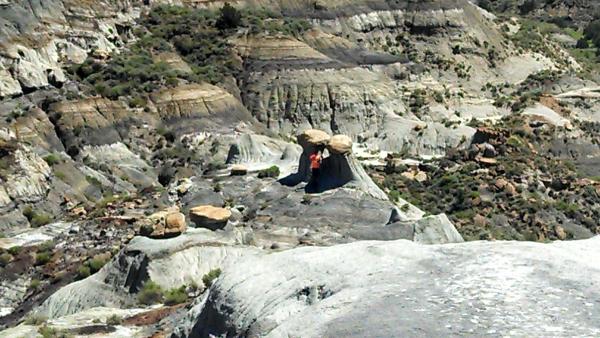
479 197
5 259
209 278
114 320
176 296
50 332
36 219
272 171
41 258
34 284
151 293
198 35
52 159
35 319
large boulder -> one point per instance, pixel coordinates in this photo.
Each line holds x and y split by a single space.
164 224
239 170
313 137
340 144
210 217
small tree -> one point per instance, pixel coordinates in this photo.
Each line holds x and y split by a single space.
485 4
230 17
582 44
527 7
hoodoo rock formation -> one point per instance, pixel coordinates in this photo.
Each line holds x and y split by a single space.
339 167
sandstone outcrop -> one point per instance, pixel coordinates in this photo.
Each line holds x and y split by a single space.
164 224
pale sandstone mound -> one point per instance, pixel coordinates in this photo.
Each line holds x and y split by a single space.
210 217
401 289
258 152
171 263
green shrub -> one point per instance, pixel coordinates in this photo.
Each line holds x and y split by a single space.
114 320
46 246
52 159
229 17
176 296
35 319
50 332
60 175
83 271
40 219
151 293
5 258
97 263
272 171
93 181
15 250
306 199
41 258
28 212
394 195
34 284
210 277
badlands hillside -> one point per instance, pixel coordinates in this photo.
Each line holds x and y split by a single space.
155 174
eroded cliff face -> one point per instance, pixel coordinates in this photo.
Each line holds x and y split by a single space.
39 37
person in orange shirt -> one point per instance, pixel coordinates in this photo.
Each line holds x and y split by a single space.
315 165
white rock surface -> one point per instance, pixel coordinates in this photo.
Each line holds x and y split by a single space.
29 180
436 230
546 115
404 289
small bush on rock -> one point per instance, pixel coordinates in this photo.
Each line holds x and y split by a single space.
40 219
151 293
269 172
176 296
209 278
41 258
5 258
52 159
35 319
114 320
34 284
50 332
83 272
97 263
15 250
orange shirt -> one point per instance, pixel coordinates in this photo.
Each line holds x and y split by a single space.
315 161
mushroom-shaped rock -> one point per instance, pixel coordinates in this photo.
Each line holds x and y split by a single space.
210 217
313 137
337 169
340 144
